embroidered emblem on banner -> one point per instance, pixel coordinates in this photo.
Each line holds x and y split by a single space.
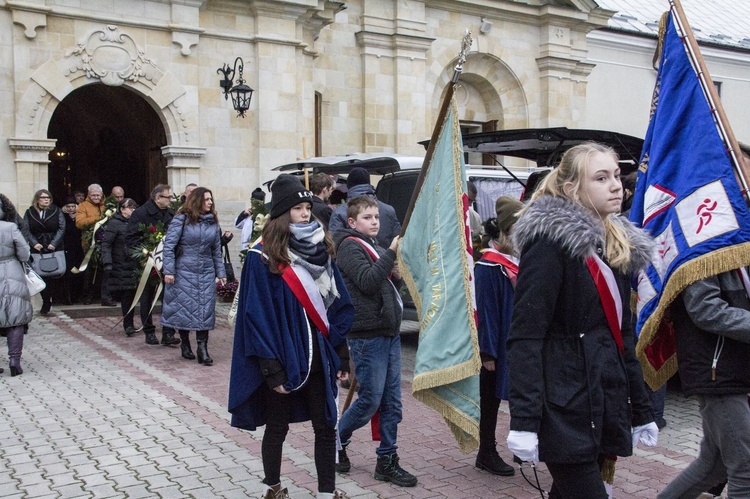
666 251
646 291
657 199
706 213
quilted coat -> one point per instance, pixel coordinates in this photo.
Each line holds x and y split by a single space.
569 383
15 303
192 254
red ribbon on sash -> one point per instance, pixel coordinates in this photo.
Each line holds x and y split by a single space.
511 267
608 293
292 280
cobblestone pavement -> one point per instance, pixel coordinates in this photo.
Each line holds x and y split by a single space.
97 414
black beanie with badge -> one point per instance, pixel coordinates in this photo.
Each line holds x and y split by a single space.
287 192
258 194
358 176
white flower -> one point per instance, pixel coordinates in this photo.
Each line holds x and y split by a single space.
260 221
109 213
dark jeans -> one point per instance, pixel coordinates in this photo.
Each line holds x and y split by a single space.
278 408
576 481
488 407
377 364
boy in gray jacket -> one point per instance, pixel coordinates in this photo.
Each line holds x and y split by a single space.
372 277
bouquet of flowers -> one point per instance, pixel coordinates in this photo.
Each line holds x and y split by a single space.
151 236
93 235
226 291
260 218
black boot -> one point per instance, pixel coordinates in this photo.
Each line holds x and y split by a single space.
202 350
168 339
388 470
15 348
46 306
490 460
151 338
344 464
187 352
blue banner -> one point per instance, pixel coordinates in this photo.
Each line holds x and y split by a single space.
688 198
435 261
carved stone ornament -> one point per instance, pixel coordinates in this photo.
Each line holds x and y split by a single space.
111 56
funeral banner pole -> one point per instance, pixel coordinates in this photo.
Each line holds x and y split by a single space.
712 96
465 46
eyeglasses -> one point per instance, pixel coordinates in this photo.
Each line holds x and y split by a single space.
44 197
165 197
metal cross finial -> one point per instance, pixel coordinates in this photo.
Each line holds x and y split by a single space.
465 47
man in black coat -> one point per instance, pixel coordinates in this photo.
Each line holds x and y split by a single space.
153 211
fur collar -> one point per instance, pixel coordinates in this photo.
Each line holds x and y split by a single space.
576 230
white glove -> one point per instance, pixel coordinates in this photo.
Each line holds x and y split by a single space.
524 445
647 434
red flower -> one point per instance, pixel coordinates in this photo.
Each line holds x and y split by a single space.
152 229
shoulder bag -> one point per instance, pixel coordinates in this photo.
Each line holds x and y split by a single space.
35 283
228 268
49 264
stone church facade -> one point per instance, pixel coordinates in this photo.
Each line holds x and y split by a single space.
330 77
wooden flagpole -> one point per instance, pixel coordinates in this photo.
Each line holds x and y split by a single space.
741 169
465 46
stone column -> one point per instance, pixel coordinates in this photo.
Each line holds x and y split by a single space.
32 160
183 165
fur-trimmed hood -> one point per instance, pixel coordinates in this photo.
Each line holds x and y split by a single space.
576 229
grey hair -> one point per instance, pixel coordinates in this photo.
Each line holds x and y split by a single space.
96 188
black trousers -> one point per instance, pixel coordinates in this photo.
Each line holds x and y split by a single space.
145 305
278 407
577 480
489 404
126 299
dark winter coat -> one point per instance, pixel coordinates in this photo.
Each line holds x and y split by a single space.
192 254
712 317
569 383
46 230
122 269
72 243
15 302
389 224
322 211
377 308
147 214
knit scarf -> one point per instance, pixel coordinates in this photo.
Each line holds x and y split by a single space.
307 249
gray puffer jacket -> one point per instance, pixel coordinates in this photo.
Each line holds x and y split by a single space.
15 302
192 254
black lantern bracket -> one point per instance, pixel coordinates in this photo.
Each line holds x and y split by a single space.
240 93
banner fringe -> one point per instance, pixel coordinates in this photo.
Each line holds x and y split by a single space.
710 264
464 429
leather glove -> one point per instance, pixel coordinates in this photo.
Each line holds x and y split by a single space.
647 434
524 445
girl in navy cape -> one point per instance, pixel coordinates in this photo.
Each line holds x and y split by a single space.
290 336
495 277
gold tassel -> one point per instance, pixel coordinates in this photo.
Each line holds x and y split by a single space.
608 470
660 42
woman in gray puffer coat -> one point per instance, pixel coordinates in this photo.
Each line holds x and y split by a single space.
192 262
15 303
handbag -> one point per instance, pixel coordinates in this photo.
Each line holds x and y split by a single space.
228 268
49 264
35 283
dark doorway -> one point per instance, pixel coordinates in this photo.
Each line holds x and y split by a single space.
109 136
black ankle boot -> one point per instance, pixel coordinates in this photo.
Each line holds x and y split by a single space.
187 352
388 469
168 339
202 350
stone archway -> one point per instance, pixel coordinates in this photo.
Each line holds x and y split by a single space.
106 135
111 57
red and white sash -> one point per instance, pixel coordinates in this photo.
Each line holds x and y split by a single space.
306 291
508 262
609 294
374 255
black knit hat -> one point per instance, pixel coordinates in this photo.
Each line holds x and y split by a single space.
258 194
286 192
358 176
